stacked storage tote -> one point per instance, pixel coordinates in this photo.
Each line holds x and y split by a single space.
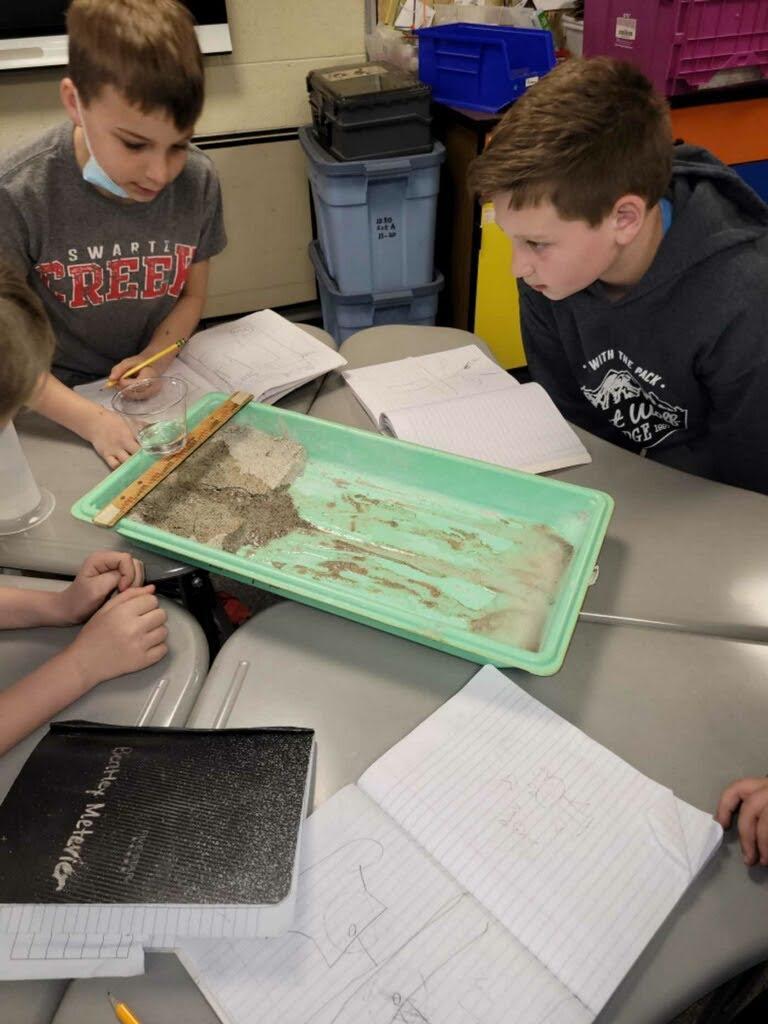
375 175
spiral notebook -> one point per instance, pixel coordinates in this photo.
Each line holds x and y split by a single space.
496 865
461 402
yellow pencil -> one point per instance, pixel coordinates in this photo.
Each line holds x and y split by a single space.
176 346
123 1014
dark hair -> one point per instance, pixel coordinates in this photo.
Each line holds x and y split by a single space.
589 132
146 49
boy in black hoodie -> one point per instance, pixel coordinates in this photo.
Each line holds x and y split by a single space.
643 272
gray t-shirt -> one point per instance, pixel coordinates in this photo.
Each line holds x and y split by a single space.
108 272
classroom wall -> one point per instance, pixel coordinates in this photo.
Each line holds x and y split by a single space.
259 86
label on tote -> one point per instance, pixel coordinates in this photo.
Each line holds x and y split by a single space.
626 29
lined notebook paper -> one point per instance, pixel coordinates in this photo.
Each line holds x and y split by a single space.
420 380
26 956
496 858
461 402
262 353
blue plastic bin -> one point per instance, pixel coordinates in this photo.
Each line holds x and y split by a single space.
482 67
375 218
344 315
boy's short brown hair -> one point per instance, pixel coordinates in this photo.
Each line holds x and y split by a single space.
589 132
26 342
146 49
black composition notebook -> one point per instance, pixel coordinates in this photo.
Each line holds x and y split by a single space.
159 833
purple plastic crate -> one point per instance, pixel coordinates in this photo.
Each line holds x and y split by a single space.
680 44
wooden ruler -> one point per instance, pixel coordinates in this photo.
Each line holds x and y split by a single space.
141 486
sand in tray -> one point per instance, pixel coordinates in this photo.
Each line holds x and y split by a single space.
231 492
234 494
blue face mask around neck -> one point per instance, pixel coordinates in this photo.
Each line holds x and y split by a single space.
93 172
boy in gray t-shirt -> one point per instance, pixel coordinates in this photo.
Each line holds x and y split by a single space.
113 215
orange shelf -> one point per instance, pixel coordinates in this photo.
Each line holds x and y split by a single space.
736 132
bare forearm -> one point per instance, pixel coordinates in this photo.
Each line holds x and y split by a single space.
20 609
111 437
184 317
63 406
35 699
180 323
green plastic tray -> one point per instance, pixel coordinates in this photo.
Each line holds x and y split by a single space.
439 544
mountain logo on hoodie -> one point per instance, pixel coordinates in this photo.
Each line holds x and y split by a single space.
616 387
637 412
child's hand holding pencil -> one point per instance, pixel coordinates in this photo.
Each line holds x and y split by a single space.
131 367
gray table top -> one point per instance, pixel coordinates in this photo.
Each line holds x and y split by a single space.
685 709
681 551
688 711
163 994
69 467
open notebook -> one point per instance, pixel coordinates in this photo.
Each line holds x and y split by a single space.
118 837
461 402
262 353
496 860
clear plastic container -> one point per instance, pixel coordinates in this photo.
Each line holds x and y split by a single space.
22 503
156 410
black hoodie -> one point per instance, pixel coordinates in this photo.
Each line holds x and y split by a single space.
677 368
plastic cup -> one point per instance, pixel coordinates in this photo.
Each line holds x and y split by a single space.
156 411
22 503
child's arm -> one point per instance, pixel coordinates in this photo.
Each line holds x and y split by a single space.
180 323
126 635
109 434
100 574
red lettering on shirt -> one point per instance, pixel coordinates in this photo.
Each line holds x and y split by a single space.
120 284
184 255
156 272
87 279
50 272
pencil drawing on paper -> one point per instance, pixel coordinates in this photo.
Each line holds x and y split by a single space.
397 991
550 791
535 811
348 907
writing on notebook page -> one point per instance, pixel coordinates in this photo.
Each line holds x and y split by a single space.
381 934
263 353
268 346
496 860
